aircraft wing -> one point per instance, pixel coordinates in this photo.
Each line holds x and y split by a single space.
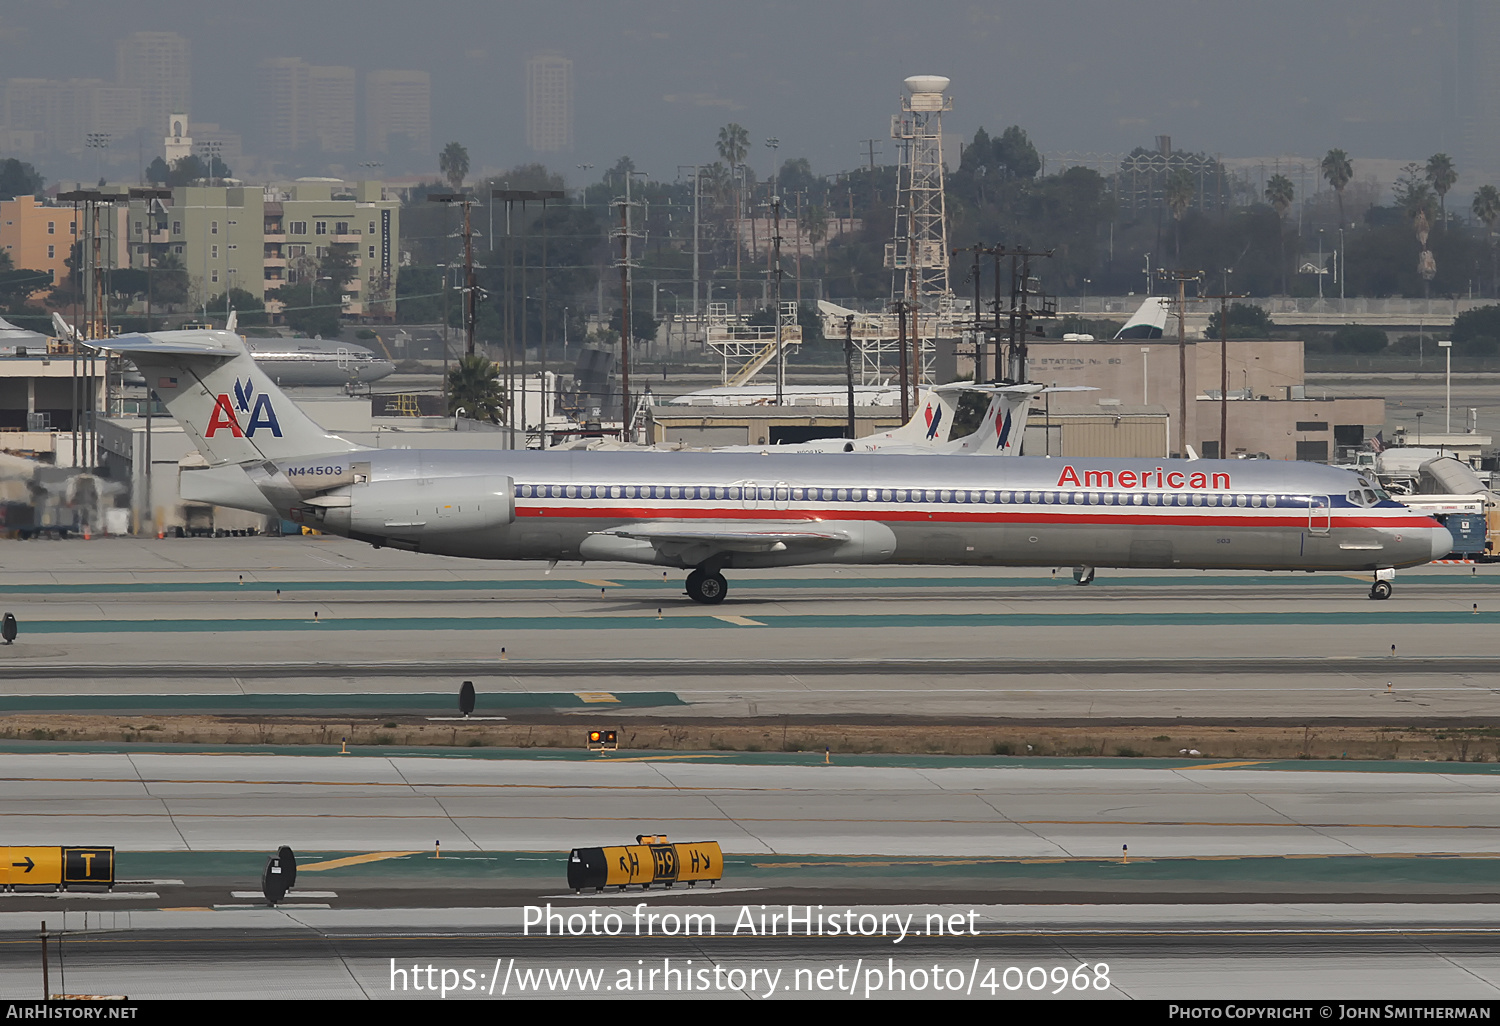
727 536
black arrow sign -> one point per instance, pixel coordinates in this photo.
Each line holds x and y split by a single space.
28 864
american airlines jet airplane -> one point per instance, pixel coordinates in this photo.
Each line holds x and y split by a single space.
709 512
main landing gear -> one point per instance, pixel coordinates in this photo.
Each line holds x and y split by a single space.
1083 575
707 586
1381 589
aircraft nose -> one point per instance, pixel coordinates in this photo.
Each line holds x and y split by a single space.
1442 540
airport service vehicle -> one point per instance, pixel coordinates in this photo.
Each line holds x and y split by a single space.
713 511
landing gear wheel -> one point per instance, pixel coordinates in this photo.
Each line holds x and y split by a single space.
707 587
1083 575
1380 590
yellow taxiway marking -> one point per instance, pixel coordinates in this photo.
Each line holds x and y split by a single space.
355 860
740 621
1227 765
603 584
596 696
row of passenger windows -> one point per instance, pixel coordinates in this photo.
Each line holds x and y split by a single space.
784 493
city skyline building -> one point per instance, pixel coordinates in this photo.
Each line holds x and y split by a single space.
549 103
159 65
306 104
398 112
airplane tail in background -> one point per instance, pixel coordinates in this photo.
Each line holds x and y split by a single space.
1150 321
223 400
962 418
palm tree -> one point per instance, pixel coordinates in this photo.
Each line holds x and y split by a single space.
815 224
1338 171
1441 176
1487 209
733 145
1279 193
474 390
1179 198
453 162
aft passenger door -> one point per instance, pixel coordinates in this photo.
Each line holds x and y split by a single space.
1319 514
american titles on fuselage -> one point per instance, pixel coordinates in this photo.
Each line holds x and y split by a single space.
1158 478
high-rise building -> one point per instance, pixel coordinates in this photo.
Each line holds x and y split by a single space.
330 108
398 111
307 104
65 114
549 103
283 98
156 63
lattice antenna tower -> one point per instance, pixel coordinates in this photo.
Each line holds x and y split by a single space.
918 253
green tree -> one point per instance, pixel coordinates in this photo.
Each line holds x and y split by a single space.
18 178
1486 208
1441 176
1015 155
453 162
252 312
169 281
1477 332
1414 193
1246 320
1338 171
18 284
475 391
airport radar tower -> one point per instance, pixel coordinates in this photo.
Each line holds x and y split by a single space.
918 252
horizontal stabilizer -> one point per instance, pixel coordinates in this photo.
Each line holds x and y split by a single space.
168 343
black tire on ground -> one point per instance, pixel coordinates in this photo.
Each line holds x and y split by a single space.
1380 590
709 588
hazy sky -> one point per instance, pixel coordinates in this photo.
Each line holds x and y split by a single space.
656 78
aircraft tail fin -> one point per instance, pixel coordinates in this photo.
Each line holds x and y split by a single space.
1150 321
227 405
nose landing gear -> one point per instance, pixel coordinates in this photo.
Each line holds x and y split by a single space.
707 586
1381 589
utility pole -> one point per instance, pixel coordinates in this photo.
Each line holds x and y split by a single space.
982 371
849 366
870 146
624 235
900 308
1022 309
1182 278
523 197
1224 366
697 170
776 302
468 236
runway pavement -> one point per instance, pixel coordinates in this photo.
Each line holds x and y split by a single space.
323 616
1243 880
1318 953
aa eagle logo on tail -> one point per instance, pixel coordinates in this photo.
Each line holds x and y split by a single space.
226 415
